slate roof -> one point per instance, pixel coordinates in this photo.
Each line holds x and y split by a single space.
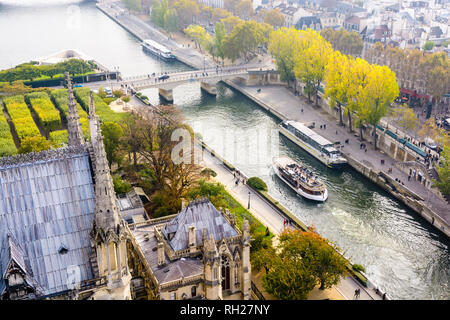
145 237
201 214
45 203
308 21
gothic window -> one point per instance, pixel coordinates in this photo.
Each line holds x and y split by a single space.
112 255
216 276
225 273
236 273
194 291
173 295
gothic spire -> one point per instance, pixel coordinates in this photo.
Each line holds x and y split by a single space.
107 214
75 133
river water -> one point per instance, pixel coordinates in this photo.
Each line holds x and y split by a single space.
401 253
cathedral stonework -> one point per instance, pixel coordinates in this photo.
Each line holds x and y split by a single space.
74 243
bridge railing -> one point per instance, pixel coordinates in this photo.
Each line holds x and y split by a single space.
187 74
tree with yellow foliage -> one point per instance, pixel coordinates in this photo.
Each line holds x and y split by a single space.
405 117
283 45
378 95
198 34
311 61
356 92
337 81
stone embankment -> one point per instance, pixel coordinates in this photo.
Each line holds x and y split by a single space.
423 200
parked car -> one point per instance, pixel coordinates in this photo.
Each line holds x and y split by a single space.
430 143
77 85
108 92
164 77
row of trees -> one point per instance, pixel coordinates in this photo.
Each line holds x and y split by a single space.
344 41
30 71
416 71
242 41
177 15
352 84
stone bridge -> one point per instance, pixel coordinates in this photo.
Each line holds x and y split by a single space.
208 79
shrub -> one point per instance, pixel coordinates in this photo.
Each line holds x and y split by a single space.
207 173
257 183
59 138
45 110
108 100
126 99
121 186
34 144
118 93
21 117
358 267
7 146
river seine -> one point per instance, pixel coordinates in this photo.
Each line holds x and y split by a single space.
401 253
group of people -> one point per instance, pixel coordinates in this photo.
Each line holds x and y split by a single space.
237 176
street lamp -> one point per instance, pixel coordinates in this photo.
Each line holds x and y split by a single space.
248 200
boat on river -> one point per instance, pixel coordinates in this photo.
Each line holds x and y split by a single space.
301 179
316 145
158 49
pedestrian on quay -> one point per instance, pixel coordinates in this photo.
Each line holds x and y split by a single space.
384 296
324 127
320 127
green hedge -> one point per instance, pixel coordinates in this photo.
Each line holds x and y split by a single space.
21 117
42 105
257 183
59 138
59 98
7 146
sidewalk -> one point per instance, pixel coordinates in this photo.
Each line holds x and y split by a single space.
273 219
290 106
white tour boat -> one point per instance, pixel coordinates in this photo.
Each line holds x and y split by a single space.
302 180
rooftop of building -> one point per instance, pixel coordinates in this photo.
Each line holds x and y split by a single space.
203 216
47 203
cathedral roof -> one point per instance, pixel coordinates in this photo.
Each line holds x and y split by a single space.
47 203
181 268
202 215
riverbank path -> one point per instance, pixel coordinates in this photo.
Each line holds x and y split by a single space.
274 220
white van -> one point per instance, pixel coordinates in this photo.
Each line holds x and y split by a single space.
108 92
430 143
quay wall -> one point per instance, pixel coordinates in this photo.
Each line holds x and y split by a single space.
400 192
